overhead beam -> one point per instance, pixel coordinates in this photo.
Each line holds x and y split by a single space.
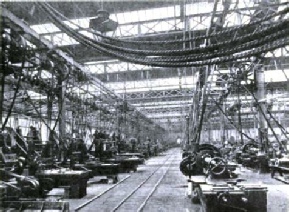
32 36
82 9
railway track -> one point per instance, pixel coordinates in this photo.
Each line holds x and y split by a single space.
132 197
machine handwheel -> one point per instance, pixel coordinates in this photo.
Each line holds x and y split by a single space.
217 166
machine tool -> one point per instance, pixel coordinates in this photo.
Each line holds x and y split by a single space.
232 196
248 155
108 155
80 159
280 165
213 183
127 163
19 192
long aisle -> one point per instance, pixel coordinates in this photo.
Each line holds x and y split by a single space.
171 194
156 186
159 186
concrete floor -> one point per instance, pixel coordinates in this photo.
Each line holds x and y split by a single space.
278 192
170 195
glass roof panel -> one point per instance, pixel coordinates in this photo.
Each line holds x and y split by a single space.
45 28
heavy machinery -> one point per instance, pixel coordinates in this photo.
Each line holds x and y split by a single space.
247 155
15 160
127 162
107 151
213 183
206 160
280 165
80 159
20 191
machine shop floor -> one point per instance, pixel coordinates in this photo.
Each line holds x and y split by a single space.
170 193
278 192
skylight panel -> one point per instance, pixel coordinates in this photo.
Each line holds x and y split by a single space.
101 62
71 24
133 16
276 75
236 19
113 67
62 39
127 30
142 13
132 66
173 11
96 69
197 24
135 28
158 13
45 28
150 15
281 52
83 22
48 37
122 66
197 8
156 84
159 26
121 18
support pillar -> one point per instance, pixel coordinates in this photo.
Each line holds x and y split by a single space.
49 115
188 130
222 124
262 125
2 81
262 128
62 110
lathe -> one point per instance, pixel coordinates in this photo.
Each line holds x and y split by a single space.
280 165
207 160
248 155
80 159
15 171
13 166
126 163
19 192
210 183
74 182
96 168
232 196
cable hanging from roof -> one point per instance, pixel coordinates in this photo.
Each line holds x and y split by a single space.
225 51
214 34
176 61
198 50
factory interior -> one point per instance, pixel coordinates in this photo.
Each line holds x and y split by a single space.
144 105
